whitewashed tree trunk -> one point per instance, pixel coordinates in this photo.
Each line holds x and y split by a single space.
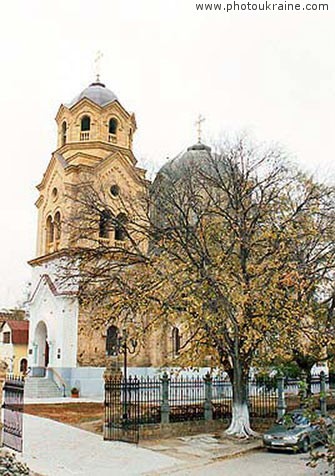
240 423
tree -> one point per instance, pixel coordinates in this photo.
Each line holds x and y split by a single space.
207 248
311 281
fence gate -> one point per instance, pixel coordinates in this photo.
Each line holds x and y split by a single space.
13 393
122 410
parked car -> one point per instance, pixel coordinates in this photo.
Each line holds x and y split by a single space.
296 432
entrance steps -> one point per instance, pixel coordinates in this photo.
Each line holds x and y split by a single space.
41 387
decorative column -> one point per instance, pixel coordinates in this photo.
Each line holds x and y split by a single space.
323 400
165 407
113 370
281 406
112 395
208 397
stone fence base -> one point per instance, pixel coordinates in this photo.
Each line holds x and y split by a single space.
183 428
189 428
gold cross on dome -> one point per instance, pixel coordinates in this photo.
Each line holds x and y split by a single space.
198 124
97 62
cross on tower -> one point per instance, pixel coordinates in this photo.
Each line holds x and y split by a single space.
198 124
97 62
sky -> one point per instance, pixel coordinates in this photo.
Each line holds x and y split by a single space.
271 74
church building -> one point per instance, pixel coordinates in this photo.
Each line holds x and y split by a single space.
94 137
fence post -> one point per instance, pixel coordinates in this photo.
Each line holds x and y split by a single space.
281 406
303 389
165 408
323 400
208 397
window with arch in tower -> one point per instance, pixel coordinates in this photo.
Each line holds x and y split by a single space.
57 229
85 128
49 233
120 227
112 129
64 133
104 224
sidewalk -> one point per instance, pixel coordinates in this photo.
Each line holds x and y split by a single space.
53 449
200 450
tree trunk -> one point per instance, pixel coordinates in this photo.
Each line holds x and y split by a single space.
306 364
240 423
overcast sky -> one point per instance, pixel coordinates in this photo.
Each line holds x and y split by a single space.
272 74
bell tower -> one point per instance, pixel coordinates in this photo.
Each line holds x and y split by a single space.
91 129
94 140
92 119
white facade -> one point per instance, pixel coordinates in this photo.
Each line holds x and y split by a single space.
53 316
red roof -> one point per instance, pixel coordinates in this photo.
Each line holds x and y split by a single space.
20 330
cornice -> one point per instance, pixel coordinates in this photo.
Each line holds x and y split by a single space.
53 288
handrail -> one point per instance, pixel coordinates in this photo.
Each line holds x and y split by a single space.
61 381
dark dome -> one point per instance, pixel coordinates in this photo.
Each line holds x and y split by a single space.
196 154
97 93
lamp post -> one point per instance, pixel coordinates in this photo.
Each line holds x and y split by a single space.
119 343
125 346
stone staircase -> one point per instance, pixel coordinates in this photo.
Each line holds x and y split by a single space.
41 387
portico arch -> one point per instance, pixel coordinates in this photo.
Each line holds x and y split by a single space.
42 347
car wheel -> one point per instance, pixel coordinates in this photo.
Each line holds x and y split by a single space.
304 445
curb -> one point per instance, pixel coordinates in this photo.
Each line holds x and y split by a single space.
189 466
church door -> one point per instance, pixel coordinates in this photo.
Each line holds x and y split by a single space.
46 354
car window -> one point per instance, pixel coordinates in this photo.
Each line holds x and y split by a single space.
294 419
299 419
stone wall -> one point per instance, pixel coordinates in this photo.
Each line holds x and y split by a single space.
188 428
92 334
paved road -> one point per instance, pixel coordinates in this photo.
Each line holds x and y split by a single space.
256 464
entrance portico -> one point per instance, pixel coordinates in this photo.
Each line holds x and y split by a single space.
41 350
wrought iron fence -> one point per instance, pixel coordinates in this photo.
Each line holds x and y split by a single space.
139 401
294 386
263 397
13 404
150 397
134 401
186 399
222 396
121 409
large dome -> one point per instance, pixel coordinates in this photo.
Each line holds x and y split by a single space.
97 93
196 154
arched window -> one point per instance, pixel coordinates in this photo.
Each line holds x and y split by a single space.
113 126
175 341
57 226
85 128
64 133
120 227
85 123
112 341
104 224
23 366
50 230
